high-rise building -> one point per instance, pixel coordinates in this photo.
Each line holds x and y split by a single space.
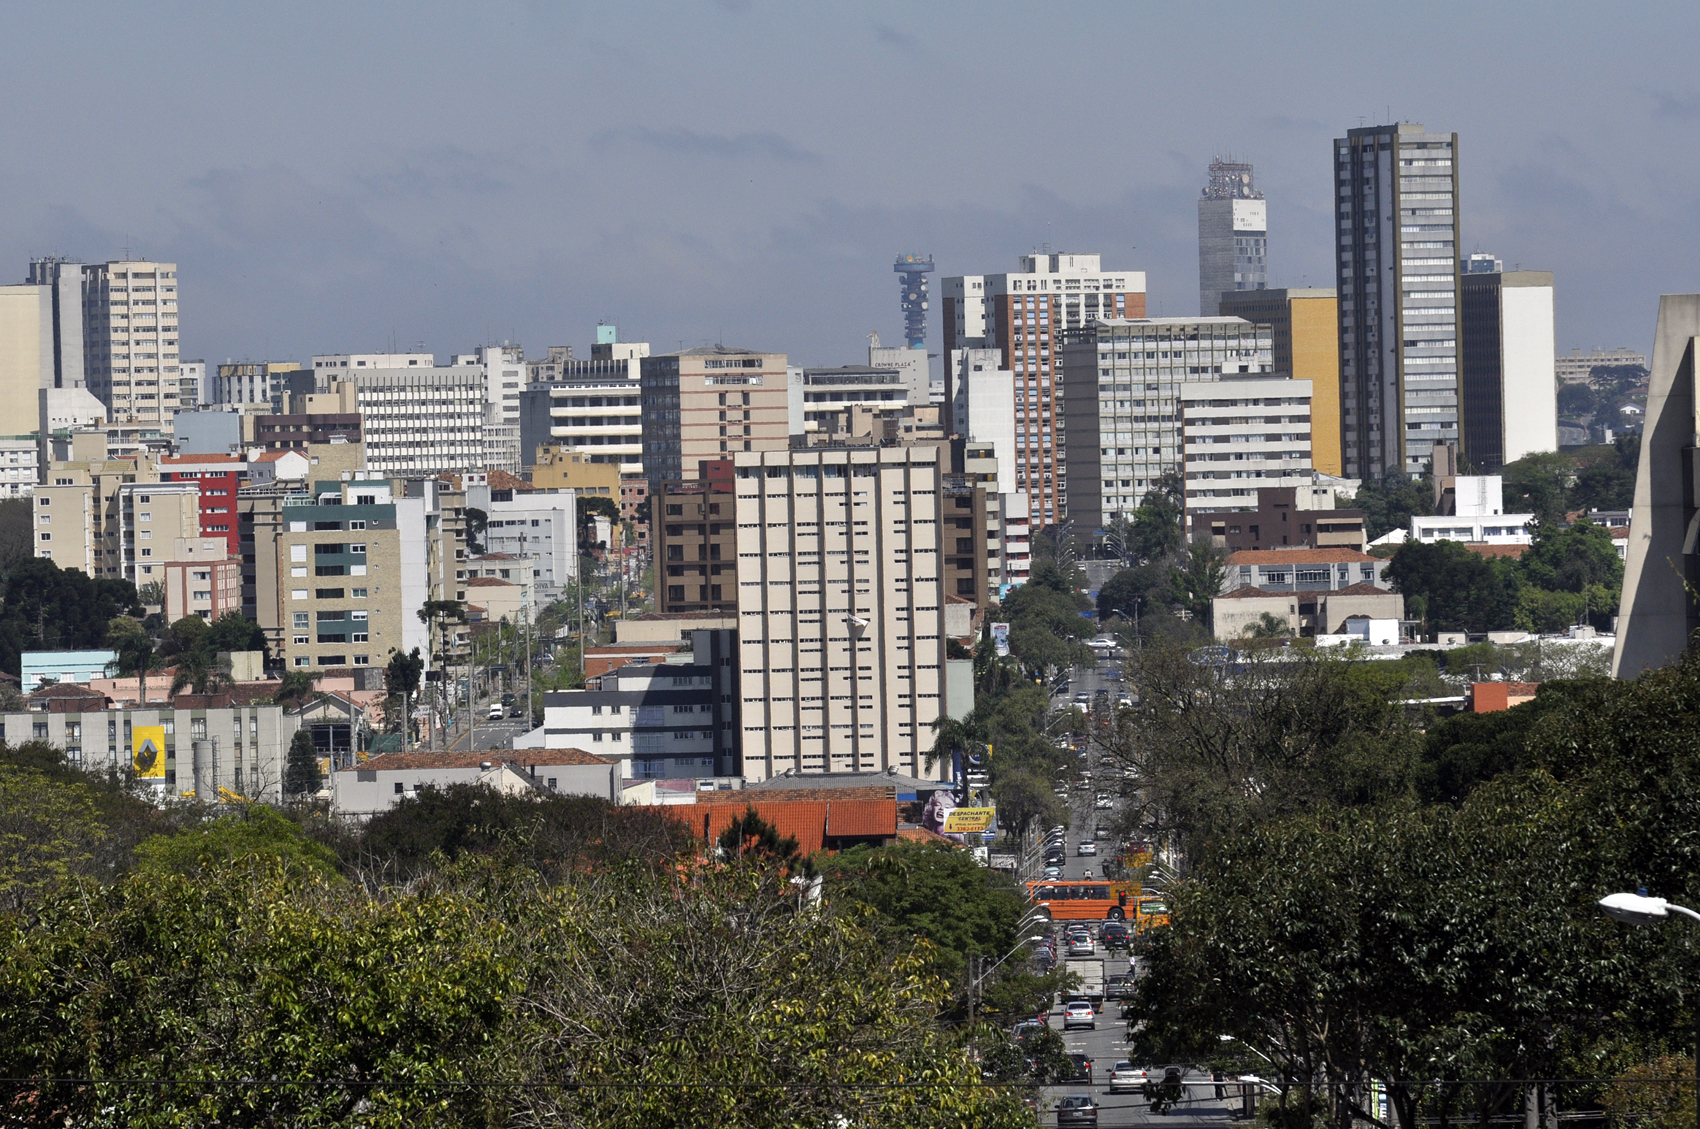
840 612
130 339
64 282
1305 332
418 421
1510 402
1396 232
984 409
710 402
1024 315
1124 380
696 543
1233 236
27 350
910 362
260 382
1577 367
191 380
1240 435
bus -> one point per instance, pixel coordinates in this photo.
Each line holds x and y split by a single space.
1090 899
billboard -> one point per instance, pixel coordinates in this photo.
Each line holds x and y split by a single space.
1000 639
970 821
147 751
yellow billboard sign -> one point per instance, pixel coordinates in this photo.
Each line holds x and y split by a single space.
147 751
969 821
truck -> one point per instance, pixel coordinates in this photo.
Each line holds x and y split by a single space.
1090 974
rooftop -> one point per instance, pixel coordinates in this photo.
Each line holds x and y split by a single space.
1297 556
393 762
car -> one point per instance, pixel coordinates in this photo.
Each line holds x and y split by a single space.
1117 988
1077 1109
1104 805
1082 1068
1081 947
1087 847
509 699
1053 872
1100 832
1126 1078
496 712
1082 698
1079 1013
1117 935
1026 1028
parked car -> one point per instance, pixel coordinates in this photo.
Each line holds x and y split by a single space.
1053 872
1126 1078
1079 1013
1077 1109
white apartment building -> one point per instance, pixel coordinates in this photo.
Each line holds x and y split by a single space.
1024 315
841 610
504 371
1124 379
1577 366
539 526
595 409
19 466
828 392
130 339
984 408
1509 400
421 421
911 363
331 367
1240 435
191 381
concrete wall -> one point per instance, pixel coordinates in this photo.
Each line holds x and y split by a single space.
1531 400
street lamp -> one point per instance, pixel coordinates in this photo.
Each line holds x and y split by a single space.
1639 909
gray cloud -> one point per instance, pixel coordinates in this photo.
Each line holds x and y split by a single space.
686 142
891 37
1678 107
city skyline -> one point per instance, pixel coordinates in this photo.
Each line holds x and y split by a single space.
761 212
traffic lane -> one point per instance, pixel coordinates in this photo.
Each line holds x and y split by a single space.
1106 1045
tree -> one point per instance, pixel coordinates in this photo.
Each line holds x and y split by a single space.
134 649
1539 484
477 523
49 833
1199 579
17 533
233 632
1157 532
1026 801
750 837
47 608
294 687
1268 627
301 775
401 678
1390 503
1454 589
1144 589
254 832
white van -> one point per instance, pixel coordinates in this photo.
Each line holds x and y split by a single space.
495 713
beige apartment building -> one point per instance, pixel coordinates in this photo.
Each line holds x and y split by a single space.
130 338
78 520
710 403
840 609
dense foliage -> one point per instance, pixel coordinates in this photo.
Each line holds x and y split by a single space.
46 608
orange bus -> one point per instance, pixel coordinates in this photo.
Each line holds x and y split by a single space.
1090 899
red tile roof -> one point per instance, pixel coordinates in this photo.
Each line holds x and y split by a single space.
1359 589
812 823
1297 556
488 582
861 818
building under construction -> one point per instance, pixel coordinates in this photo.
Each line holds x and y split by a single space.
914 270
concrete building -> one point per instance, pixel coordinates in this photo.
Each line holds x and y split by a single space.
130 338
208 588
1304 328
709 403
286 432
1577 366
207 432
1240 435
1123 380
218 478
364 790
1657 616
191 379
504 371
27 352
64 282
63 667
1285 517
696 543
1469 508
259 382
1024 315
1315 612
594 409
840 609
910 361
558 468
541 528
421 421
984 408
828 392
1396 242
77 512
328 368
19 466
1510 404
239 749
1303 570
666 720
1233 236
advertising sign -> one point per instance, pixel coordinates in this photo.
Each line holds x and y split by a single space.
1000 639
970 821
147 751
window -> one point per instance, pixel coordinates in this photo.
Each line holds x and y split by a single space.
300 619
400 788
357 593
324 594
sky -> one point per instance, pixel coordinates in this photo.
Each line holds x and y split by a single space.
355 177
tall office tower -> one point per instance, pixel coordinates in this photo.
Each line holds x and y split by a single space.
27 349
592 408
504 372
417 422
1510 402
1124 378
1233 236
1024 315
710 402
1396 233
1305 333
130 338
64 282
911 362
840 612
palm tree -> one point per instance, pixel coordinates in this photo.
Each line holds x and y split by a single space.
294 687
1268 626
954 736
134 650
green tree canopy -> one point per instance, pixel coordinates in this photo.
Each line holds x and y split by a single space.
253 832
46 608
1453 588
301 775
1157 532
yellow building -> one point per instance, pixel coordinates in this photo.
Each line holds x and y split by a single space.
1306 325
558 468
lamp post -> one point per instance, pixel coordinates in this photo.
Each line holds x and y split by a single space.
974 982
1639 909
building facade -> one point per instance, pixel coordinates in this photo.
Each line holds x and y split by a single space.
1304 328
710 402
421 421
1510 403
1239 435
218 477
208 589
696 543
1233 236
1577 367
1024 315
130 339
840 608
1396 242
1123 380
1292 516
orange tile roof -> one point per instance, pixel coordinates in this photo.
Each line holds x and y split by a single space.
861 818
488 582
1483 549
1297 556
810 822
1359 589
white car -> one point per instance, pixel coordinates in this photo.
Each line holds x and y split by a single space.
1128 1078
1079 1013
1087 847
